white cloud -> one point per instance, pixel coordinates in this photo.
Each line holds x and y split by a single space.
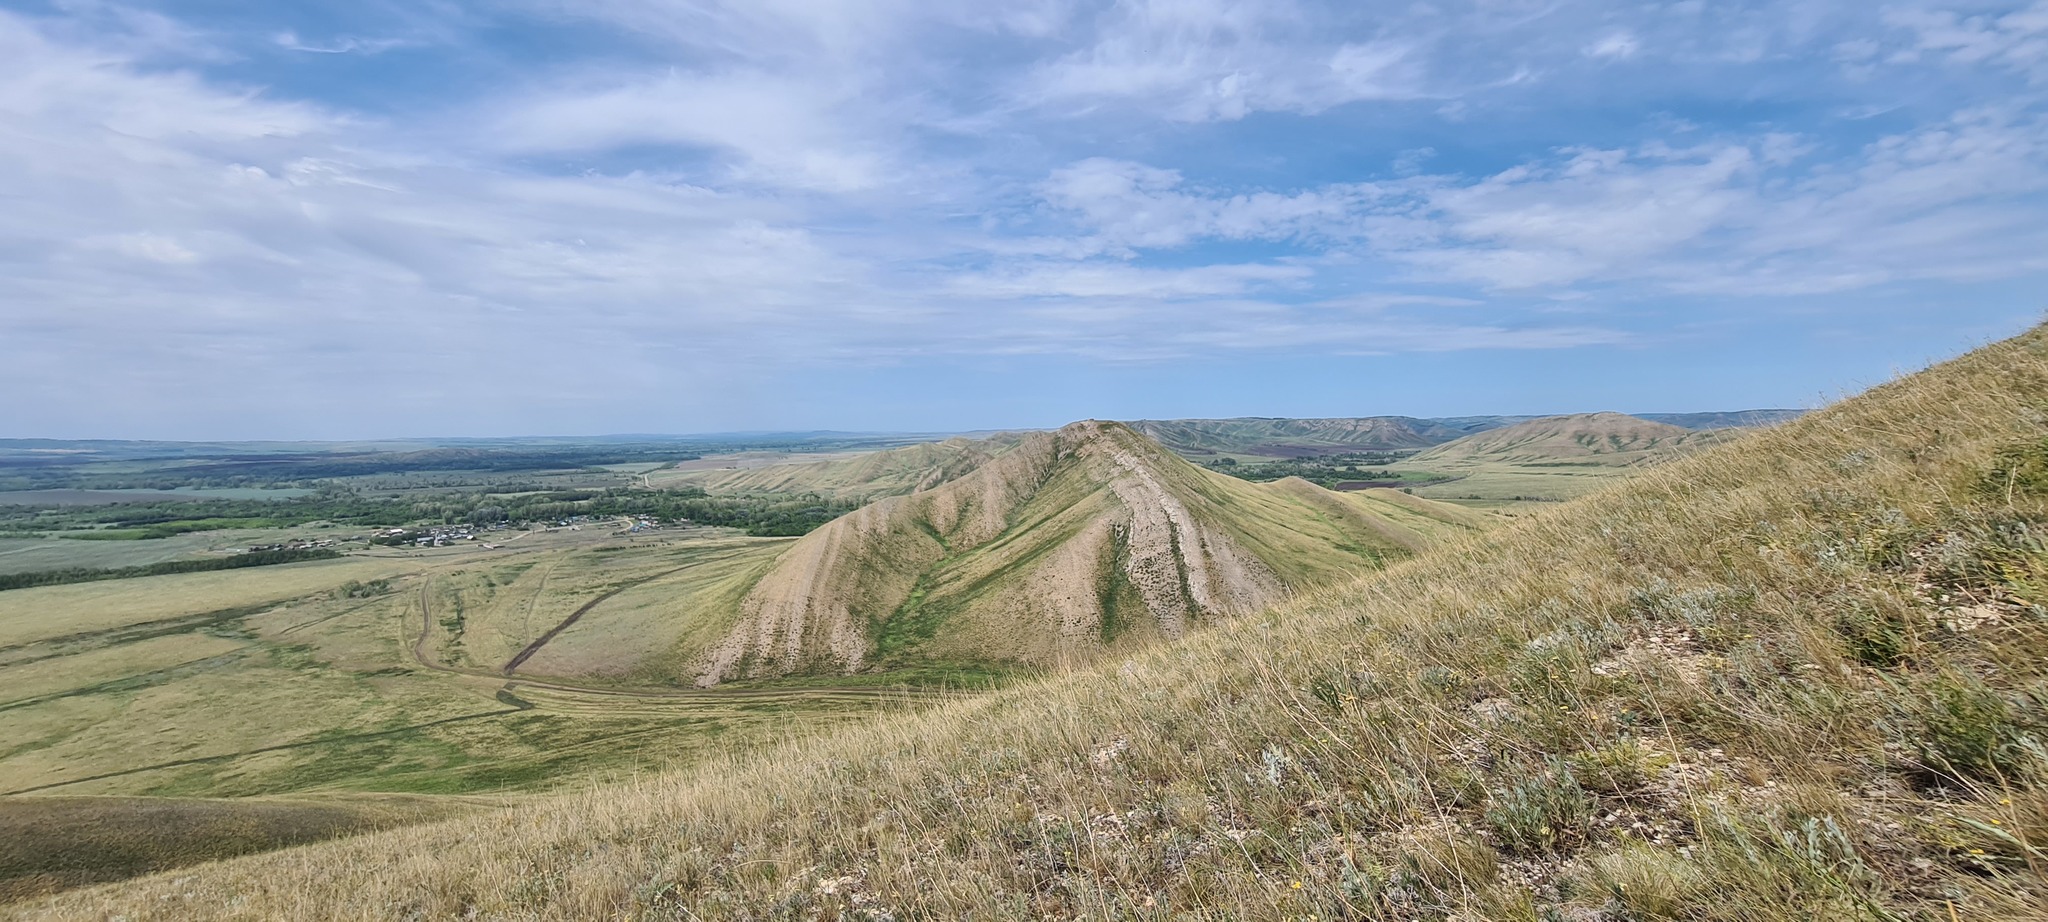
1614 45
1958 200
346 44
782 130
1128 205
2017 40
143 246
1767 214
1111 280
1209 59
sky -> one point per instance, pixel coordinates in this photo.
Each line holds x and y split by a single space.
374 218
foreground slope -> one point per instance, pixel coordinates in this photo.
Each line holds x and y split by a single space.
1071 542
1795 677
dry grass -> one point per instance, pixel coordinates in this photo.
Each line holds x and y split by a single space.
1796 677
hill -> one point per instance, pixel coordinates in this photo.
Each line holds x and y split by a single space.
1282 438
873 474
1070 542
1602 439
1729 419
1272 437
1795 676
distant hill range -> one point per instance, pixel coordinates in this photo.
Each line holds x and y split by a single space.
1054 547
1289 438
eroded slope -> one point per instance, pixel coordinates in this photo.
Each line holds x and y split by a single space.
1073 541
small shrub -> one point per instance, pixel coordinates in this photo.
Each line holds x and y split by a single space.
1874 637
1448 865
1621 768
1545 812
1650 883
2019 470
2008 831
1769 864
1962 730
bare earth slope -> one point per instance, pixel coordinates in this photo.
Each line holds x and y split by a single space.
1794 677
1089 537
1608 439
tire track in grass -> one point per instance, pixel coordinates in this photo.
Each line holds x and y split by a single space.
527 653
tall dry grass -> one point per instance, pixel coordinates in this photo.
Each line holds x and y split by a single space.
1797 677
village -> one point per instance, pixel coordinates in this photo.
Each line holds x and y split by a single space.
447 535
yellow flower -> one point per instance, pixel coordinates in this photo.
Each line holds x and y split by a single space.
1297 885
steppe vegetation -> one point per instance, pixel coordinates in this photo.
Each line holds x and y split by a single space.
1798 676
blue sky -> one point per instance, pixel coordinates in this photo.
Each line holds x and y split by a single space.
369 218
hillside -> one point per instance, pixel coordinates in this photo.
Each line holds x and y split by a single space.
1728 419
1071 542
1603 439
1797 676
1272 437
1282 438
873 474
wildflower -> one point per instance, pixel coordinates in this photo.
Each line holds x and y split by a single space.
1297 885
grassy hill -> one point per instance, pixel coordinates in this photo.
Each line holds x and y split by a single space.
1270 437
1728 419
1071 542
1796 676
1592 439
890 472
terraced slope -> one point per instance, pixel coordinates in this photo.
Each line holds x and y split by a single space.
1089 538
875 474
1605 439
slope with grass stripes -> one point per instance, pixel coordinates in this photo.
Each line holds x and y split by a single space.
1798 676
